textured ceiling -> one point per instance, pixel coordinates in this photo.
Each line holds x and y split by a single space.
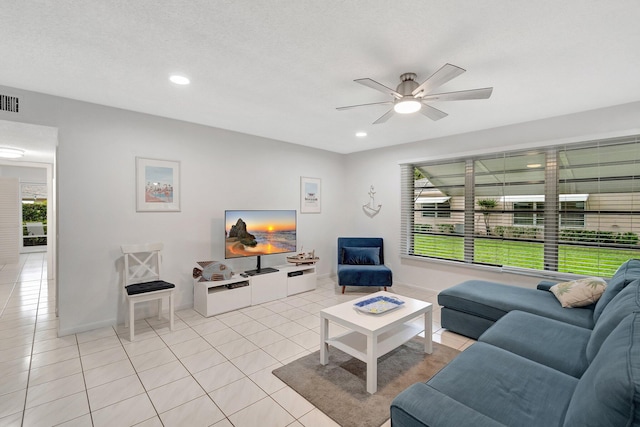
278 69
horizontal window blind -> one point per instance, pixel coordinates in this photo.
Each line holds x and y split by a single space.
9 220
508 232
608 172
433 235
570 209
407 210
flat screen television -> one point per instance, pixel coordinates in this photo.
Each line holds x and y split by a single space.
253 233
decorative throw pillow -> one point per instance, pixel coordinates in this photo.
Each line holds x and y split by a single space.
579 293
361 256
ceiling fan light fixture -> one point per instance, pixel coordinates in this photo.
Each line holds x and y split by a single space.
179 79
407 106
11 153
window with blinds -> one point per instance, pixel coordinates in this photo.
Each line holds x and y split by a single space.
570 209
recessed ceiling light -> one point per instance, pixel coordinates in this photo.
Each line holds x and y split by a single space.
179 80
11 153
534 165
361 134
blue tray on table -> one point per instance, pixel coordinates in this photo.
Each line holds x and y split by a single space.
378 305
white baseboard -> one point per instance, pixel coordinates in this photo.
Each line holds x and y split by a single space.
110 322
86 327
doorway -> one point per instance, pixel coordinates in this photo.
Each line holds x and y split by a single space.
36 174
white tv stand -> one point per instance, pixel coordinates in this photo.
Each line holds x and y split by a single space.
216 297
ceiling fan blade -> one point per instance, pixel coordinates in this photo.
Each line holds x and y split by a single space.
378 86
385 117
483 93
431 112
440 77
348 107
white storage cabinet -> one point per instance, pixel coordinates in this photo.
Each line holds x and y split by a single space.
302 282
216 297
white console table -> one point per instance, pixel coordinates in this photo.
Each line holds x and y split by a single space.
215 297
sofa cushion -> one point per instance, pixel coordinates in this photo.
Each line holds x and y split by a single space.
491 301
141 288
469 325
361 256
608 394
364 275
579 293
626 302
409 409
626 273
563 345
360 242
505 387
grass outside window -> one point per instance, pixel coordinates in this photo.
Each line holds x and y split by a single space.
589 261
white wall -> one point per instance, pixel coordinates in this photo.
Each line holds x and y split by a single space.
381 168
25 174
219 170
228 170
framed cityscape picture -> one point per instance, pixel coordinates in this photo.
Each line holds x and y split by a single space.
310 195
157 185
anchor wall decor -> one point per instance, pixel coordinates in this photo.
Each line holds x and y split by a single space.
370 208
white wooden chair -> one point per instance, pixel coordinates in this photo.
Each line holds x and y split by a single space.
142 280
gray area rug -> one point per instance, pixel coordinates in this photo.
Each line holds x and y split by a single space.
339 388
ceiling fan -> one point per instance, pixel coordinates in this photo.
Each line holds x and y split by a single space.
410 97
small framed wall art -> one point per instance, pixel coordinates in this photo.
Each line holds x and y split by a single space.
310 195
157 185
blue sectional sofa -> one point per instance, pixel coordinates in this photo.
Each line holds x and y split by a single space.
539 367
471 307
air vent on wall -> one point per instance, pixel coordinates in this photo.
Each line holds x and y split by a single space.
9 103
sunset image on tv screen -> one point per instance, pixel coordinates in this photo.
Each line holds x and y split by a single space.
255 232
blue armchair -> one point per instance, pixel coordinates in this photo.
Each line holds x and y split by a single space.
361 262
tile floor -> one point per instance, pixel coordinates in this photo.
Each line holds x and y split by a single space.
208 371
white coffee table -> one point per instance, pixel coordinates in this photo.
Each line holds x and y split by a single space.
374 335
